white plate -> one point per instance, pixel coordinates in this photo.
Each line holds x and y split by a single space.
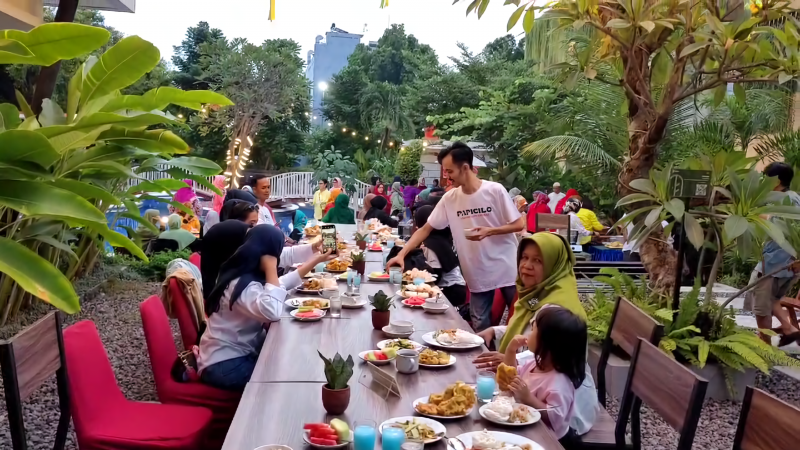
409 305
429 339
425 400
508 438
297 302
535 416
437 427
363 356
360 303
387 330
439 366
293 313
307 291
378 280
384 342
343 444
440 309
405 294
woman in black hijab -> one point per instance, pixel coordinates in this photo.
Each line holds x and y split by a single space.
376 211
219 244
248 294
240 210
438 250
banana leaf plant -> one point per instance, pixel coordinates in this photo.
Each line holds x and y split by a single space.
61 171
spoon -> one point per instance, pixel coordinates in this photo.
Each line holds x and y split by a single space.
455 444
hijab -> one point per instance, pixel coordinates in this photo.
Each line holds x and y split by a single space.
514 192
299 220
378 204
219 244
367 206
572 205
423 195
520 202
439 241
559 286
334 193
152 216
245 264
340 213
185 194
212 218
238 194
176 233
218 201
540 198
232 209
397 187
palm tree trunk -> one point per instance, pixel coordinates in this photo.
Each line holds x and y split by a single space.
384 139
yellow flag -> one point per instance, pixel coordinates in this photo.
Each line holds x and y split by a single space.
271 10
384 3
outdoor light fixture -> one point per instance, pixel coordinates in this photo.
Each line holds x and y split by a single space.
379 141
344 130
180 116
366 138
164 220
329 124
425 144
391 144
323 86
315 117
354 133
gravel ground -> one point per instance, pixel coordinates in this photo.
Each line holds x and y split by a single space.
115 310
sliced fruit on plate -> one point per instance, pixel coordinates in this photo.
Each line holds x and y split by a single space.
415 301
341 427
311 426
379 275
376 355
307 314
320 441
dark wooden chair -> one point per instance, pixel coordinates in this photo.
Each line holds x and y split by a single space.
559 222
766 423
28 359
668 387
628 324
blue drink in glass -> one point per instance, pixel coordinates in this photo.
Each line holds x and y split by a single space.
485 386
364 435
392 438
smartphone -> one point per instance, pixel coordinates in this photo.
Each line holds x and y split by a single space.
329 238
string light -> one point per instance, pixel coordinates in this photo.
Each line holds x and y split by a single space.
379 141
354 133
391 144
250 140
329 124
366 138
315 117
180 116
344 130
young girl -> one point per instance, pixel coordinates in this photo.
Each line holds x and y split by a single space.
558 340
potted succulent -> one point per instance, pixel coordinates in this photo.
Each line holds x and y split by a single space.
336 392
380 314
361 240
359 262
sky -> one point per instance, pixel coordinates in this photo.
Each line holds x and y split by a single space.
437 23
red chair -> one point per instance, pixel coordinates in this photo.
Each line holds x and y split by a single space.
180 308
161 347
105 420
195 259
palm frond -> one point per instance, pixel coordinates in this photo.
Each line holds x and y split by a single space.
570 148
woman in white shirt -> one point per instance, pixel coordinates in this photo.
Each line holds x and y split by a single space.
247 295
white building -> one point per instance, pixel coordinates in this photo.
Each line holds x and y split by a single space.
26 14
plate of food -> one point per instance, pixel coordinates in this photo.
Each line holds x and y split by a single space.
379 357
421 290
399 344
455 402
375 247
337 266
353 302
313 231
315 303
337 434
504 411
417 428
410 275
307 314
453 338
496 440
414 302
378 276
311 286
435 359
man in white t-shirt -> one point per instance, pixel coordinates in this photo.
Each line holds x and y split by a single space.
483 221
555 196
262 189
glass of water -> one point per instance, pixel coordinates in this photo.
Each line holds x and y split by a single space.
334 301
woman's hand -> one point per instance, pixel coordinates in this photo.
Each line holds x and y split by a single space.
488 360
520 390
316 246
487 335
325 256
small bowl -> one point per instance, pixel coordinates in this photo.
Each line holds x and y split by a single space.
273 447
440 308
401 326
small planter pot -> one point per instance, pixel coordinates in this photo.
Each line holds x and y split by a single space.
718 388
362 245
335 401
359 267
380 319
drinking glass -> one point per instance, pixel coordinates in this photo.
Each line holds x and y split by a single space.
390 244
485 385
412 444
335 304
320 268
350 273
393 436
364 435
357 283
395 275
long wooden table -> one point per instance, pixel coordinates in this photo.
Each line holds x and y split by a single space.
285 390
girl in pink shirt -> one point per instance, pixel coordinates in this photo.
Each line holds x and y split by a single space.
558 340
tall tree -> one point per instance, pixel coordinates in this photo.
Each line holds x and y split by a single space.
382 108
187 57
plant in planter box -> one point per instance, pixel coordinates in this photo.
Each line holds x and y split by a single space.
336 393
361 240
380 314
359 262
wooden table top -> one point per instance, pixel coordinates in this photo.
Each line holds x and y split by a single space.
285 389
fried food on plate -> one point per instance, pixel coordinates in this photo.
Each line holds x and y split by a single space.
337 265
456 400
434 357
313 284
313 231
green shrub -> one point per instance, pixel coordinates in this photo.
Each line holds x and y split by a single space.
407 165
155 269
